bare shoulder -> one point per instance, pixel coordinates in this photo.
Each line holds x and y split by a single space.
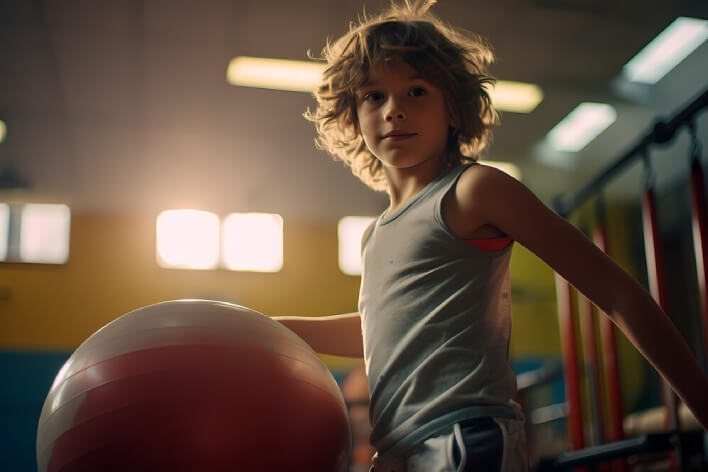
483 178
498 200
464 210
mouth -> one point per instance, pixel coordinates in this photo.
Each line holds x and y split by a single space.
398 135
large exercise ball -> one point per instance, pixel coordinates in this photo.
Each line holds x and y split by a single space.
193 385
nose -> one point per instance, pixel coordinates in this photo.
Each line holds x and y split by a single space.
394 110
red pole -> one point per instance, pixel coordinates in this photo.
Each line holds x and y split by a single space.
611 362
570 362
657 286
700 241
592 374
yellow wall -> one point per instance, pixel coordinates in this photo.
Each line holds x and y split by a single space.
534 327
112 270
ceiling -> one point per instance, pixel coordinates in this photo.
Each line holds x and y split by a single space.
120 106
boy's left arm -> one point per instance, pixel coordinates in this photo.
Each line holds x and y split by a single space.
505 203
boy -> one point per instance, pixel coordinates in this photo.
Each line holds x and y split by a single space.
404 104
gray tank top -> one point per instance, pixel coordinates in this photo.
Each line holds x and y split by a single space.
436 319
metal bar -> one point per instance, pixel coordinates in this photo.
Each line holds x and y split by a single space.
661 133
541 376
652 443
548 413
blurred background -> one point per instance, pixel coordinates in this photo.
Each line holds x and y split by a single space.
114 112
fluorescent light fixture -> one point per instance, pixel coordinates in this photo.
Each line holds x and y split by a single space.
581 126
279 74
4 229
252 242
516 97
44 233
188 239
511 169
305 76
666 51
3 131
350 230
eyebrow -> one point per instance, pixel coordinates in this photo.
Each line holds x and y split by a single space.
373 83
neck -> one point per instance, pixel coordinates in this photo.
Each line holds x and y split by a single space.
404 184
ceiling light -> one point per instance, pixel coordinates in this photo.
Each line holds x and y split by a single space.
279 74
305 76
666 51
517 97
581 126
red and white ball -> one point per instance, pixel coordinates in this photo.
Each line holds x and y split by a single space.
194 385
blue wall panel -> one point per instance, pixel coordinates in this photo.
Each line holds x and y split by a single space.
26 378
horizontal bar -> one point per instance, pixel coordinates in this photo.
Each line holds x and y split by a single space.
541 376
644 444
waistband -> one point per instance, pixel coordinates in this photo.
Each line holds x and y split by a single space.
445 423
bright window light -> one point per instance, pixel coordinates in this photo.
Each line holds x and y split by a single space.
188 239
3 131
516 97
666 51
252 242
581 126
4 229
44 233
350 231
280 74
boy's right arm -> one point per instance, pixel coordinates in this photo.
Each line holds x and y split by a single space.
336 335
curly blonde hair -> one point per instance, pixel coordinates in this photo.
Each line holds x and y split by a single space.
451 59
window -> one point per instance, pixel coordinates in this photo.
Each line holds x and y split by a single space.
188 239
252 242
193 239
35 233
350 231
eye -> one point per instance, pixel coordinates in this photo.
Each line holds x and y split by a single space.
417 92
372 97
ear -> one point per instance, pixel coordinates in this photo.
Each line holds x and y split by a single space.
452 117
453 122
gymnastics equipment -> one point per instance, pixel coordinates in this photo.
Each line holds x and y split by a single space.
687 442
194 385
680 444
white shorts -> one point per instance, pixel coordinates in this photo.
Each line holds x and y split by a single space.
481 444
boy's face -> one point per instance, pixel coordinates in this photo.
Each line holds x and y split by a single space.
403 118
